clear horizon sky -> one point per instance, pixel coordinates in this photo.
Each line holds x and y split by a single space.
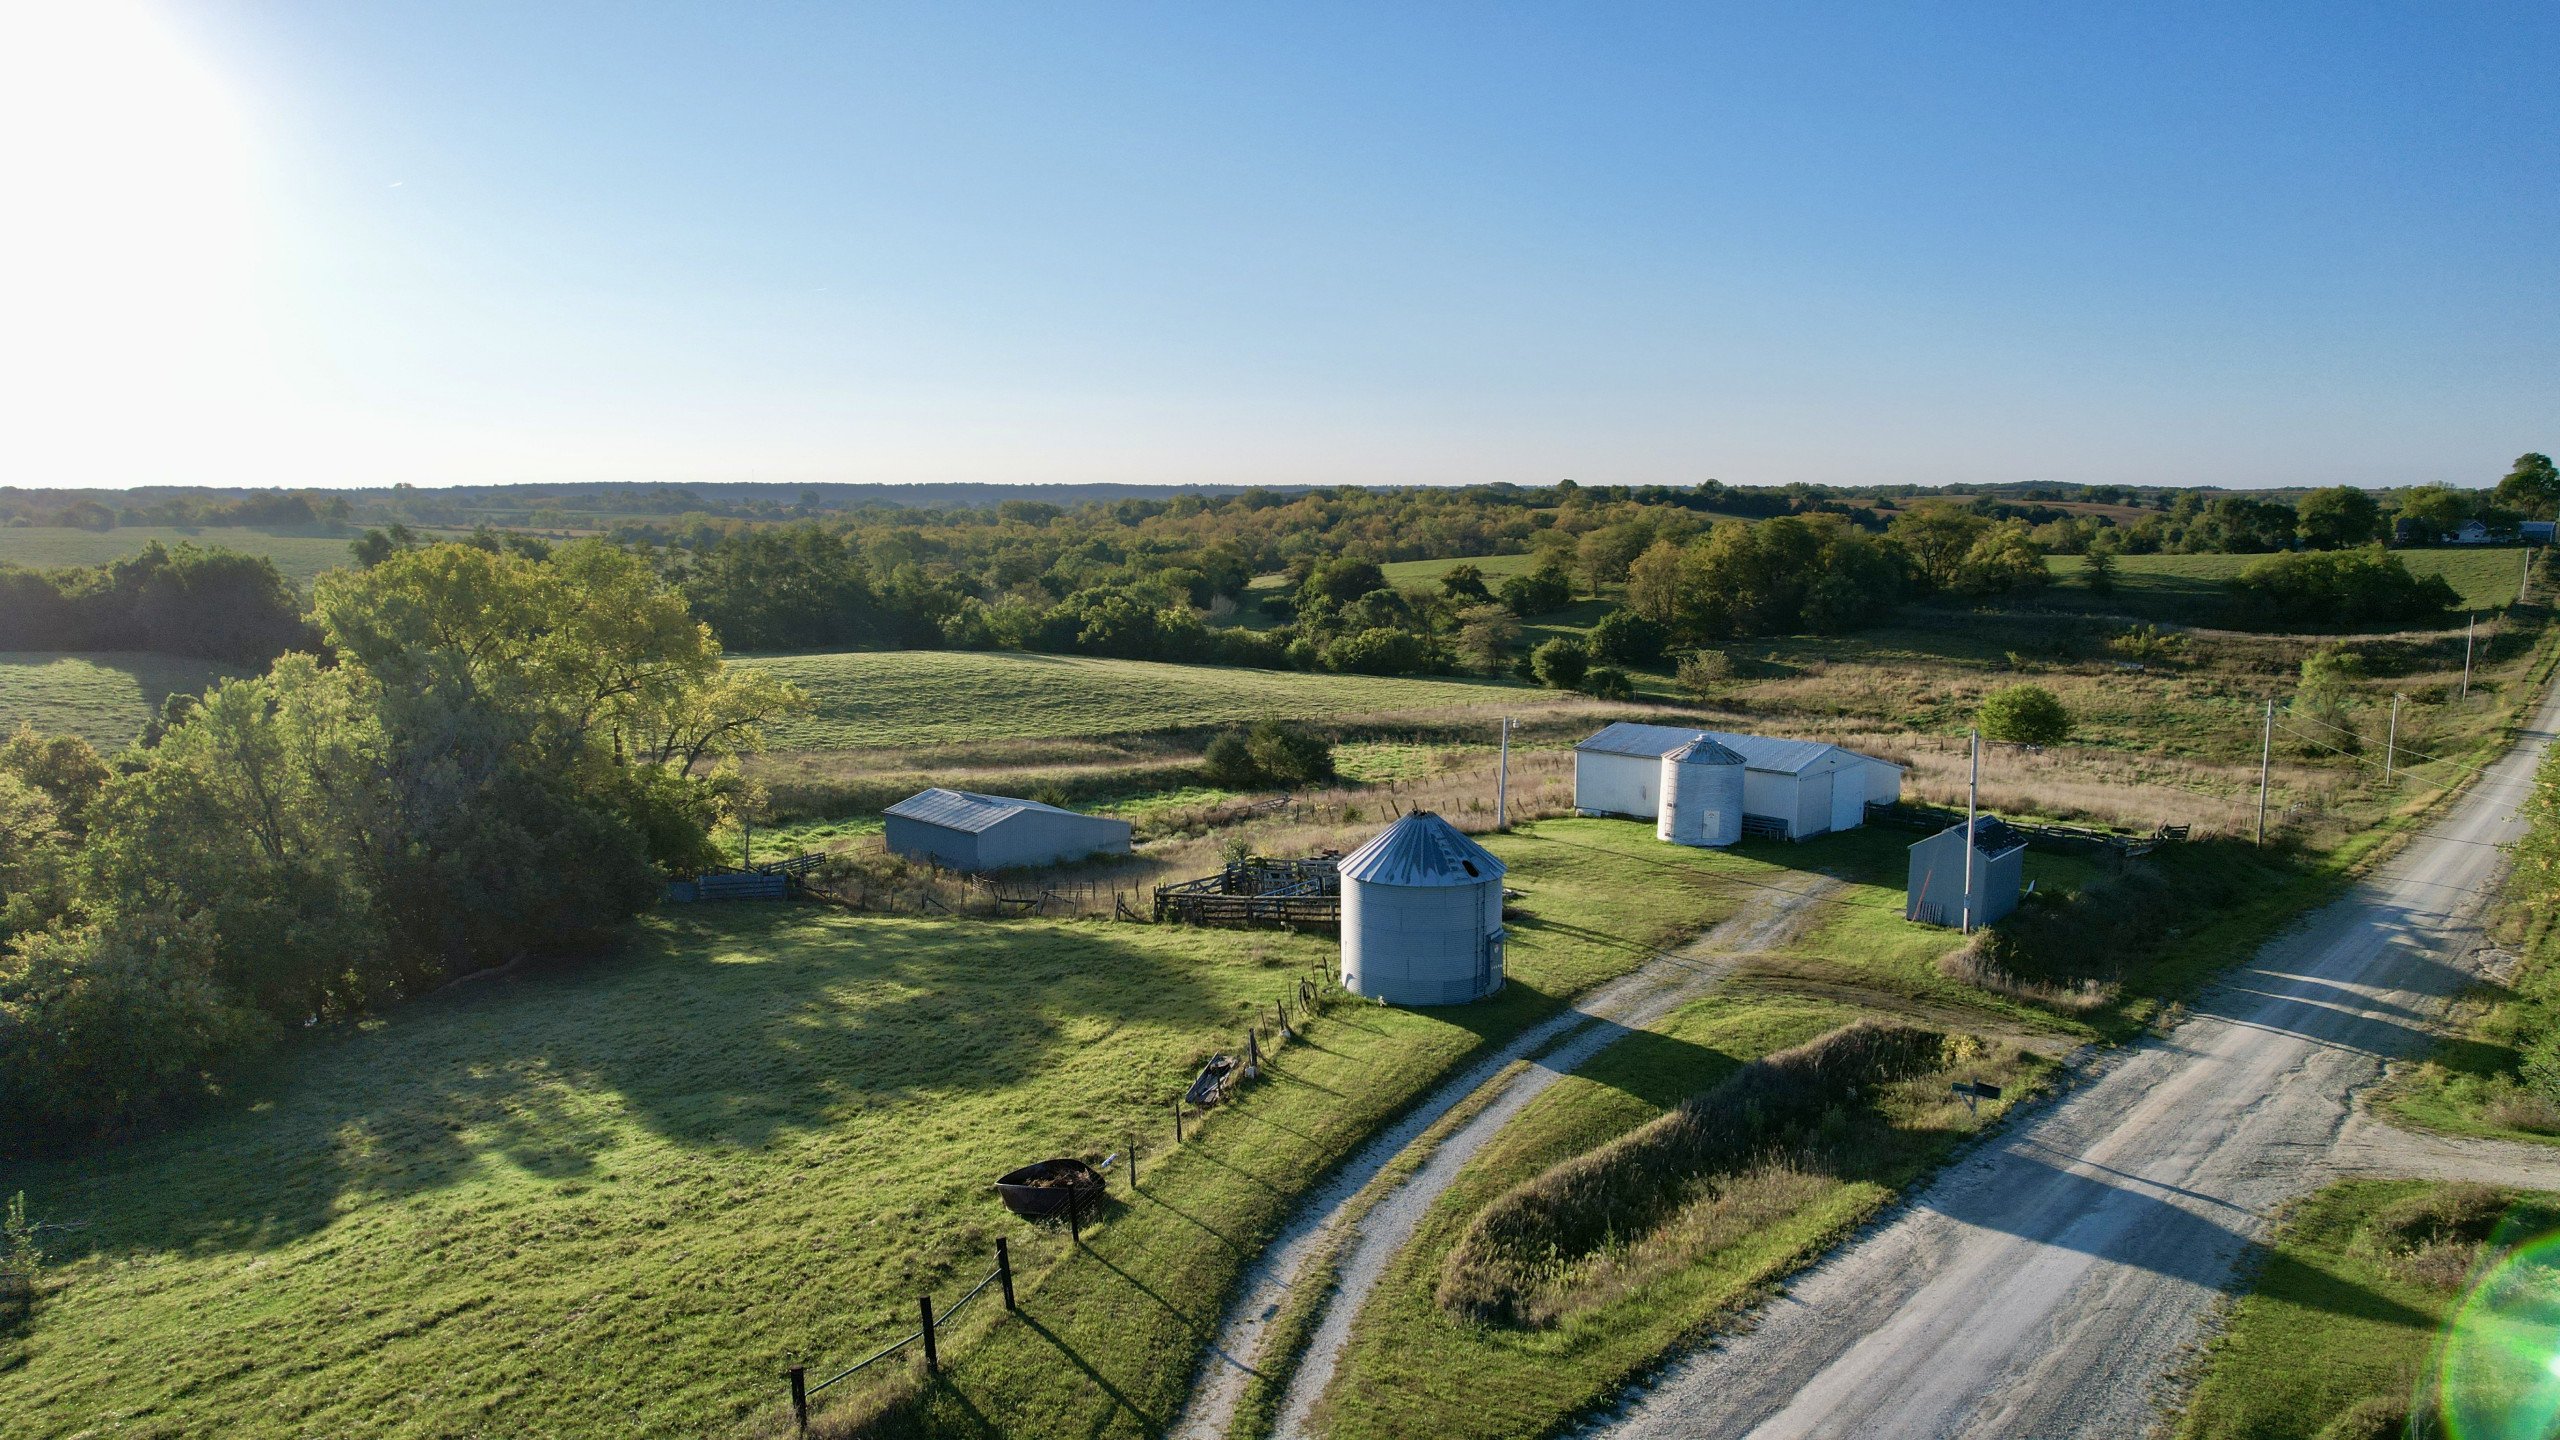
466 242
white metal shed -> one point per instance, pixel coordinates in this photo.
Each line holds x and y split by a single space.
1803 787
968 831
1422 915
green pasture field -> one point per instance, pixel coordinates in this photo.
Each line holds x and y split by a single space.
618 1197
103 697
299 555
1428 572
908 698
2487 578
2338 1333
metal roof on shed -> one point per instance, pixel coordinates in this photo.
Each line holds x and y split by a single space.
966 810
1421 849
1991 836
1759 752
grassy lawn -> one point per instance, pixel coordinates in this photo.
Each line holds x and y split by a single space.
616 1198
103 697
924 697
2341 1328
2191 586
1496 568
1412 1369
300 556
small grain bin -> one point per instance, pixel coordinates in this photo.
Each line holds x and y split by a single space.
1701 794
1421 915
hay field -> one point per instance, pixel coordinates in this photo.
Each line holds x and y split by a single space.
910 698
298 556
104 698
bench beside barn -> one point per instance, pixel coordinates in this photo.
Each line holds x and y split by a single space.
963 830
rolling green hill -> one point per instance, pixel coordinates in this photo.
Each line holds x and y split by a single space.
104 698
928 697
298 556
2487 578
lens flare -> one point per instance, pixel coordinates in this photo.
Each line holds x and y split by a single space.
2498 1368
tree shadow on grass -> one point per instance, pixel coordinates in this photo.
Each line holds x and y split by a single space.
721 1034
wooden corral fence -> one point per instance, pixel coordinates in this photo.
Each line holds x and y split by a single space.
2070 839
1259 890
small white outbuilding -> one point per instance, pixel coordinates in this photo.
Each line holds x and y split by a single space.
1702 784
968 831
1795 788
1422 915
1936 889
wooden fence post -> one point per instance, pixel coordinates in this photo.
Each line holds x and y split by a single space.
1177 1119
932 1356
1004 1271
1075 1213
1133 1162
798 1375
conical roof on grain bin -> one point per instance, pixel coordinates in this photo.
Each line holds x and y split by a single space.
1705 751
1421 849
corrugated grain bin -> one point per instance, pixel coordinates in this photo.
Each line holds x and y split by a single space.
1422 915
1701 795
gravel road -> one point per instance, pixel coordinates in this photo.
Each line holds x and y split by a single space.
2046 1286
1380 1228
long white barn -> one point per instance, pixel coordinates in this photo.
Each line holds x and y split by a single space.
1807 787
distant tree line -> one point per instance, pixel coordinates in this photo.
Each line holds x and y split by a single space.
498 756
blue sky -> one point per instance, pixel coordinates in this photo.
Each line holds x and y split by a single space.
1374 244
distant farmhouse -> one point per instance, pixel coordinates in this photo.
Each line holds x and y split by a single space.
969 831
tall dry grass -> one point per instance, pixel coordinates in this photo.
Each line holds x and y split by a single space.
1512 1265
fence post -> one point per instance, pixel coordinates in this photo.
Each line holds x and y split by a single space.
798 1375
1133 1162
1177 1119
932 1356
1075 1213
1004 1271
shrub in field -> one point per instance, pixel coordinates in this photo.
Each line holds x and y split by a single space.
1377 650
2148 643
1626 638
1702 672
1609 683
2098 571
1544 589
1560 663
2024 715
1625 1189
1273 753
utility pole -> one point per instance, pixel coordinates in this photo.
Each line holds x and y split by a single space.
2391 747
2469 627
2266 754
1502 781
1972 808
746 843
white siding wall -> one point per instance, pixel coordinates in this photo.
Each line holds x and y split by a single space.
1884 782
1025 838
1849 795
1617 784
